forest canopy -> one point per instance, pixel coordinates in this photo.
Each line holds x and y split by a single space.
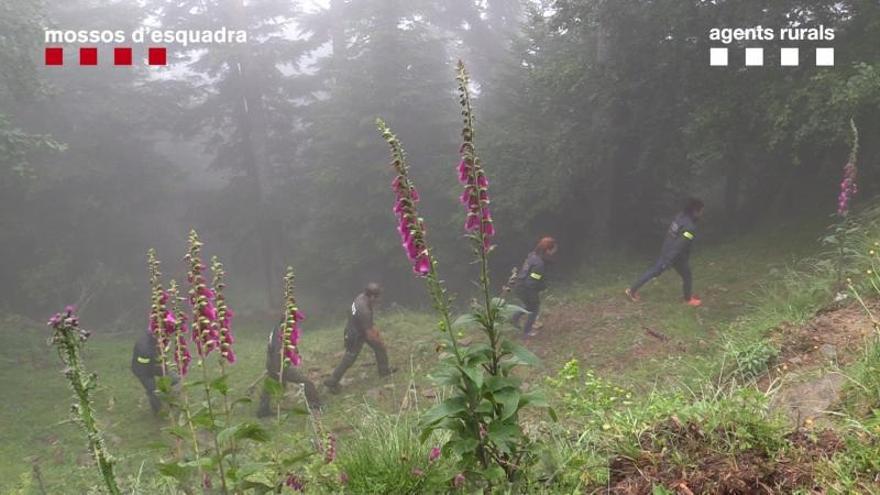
598 119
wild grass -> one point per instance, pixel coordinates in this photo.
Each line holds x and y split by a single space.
750 286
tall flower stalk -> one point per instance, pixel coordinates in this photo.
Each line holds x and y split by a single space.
482 412
224 323
69 339
413 235
182 359
479 220
159 314
848 189
205 334
289 333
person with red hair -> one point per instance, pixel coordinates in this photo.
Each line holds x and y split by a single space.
531 280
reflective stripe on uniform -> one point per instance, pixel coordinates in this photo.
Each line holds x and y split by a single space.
143 360
536 276
688 235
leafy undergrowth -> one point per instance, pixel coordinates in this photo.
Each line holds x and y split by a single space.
649 396
690 459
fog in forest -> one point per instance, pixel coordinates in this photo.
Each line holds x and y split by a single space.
595 122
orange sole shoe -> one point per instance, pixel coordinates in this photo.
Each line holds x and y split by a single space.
634 297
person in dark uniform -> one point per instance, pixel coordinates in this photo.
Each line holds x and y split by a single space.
676 253
360 330
531 280
146 367
290 375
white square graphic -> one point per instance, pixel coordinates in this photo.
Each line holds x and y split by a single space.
754 56
825 57
718 57
789 57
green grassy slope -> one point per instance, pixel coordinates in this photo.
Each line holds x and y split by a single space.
590 321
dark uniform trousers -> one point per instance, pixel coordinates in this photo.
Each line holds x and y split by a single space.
354 342
290 375
146 373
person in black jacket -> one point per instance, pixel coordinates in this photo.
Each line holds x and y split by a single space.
531 280
289 375
146 367
360 330
675 253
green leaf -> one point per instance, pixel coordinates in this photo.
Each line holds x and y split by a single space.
175 470
485 407
462 446
475 375
447 375
179 431
494 383
494 474
465 321
243 431
535 399
449 407
509 398
273 388
291 461
164 384
220 384
506 310
257 487
478 353
202 418
504 434
520 353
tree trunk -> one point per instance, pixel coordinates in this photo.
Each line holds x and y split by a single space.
250 114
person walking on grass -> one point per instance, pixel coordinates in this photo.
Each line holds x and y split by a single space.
361 330
531 280
675 253
289 375
146 367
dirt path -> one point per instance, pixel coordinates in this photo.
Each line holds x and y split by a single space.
808 369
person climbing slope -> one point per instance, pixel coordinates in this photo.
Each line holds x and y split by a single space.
675 253
146 366
290 374
531 280
361 330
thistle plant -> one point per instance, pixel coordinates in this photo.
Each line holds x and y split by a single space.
69 340
483 410
848 189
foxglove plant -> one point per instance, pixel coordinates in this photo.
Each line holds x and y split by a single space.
69 339
206 336
409 225
182 356
201 297
223 312
211 329
848 189
159 313
482 412
290 329
848 186
182 359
